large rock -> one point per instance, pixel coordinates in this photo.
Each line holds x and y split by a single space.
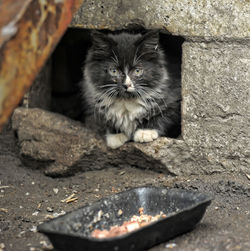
54 141
63 146
210 19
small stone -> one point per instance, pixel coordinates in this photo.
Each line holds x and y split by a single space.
171 245
59 214
55 190
35 213
45 245
49 209
33 229
4 210
20 234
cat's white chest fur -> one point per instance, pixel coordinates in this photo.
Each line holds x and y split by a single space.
124 114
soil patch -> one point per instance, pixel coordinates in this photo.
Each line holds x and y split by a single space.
28 198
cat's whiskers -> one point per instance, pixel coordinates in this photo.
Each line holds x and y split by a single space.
157 94
137 59
160 96
147 105
152 101
107 85
99 102
104 100
110 99
115 58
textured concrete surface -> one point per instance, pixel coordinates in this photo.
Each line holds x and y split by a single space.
215 91
52 141
216 102
217 19
61 147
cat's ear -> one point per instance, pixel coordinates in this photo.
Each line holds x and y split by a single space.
149 40
101 41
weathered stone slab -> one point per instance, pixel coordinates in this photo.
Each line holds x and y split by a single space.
216 102
63 146
51 139
207 19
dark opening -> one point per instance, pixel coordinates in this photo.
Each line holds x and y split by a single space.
68 60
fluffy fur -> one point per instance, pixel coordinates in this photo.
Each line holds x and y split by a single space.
129 89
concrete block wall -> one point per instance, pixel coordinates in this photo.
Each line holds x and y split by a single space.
216 101
215 94
215 68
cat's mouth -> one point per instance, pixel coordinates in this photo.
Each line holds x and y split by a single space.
128 86
130 89
128 93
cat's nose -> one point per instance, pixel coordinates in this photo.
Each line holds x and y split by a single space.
128 88
127 83
125 86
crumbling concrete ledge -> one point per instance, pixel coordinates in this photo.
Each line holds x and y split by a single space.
208 20
62 147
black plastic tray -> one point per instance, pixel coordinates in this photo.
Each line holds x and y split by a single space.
184 209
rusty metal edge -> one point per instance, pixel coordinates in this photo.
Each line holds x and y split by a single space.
24 53
6 36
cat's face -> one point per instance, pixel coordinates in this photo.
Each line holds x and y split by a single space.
125 65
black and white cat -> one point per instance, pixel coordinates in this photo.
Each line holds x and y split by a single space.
129 89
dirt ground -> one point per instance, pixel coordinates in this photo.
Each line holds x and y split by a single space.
28 198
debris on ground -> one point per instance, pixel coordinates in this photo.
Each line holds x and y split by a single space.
70 198
225 225
4 210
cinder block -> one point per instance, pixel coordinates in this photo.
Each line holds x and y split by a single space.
224 19
216 101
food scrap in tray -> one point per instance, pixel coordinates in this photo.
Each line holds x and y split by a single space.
134 223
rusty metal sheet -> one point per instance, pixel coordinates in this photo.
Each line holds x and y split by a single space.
29 31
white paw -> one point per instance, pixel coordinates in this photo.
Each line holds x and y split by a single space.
116 140
145 135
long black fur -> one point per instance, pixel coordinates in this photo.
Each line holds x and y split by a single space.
158 89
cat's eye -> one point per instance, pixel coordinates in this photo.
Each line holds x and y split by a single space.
113 72
138 72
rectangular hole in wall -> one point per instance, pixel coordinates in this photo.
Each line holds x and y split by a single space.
68 60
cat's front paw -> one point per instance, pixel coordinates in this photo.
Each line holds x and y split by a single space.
116 140
145 135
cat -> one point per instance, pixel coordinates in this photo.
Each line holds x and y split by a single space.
129 89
